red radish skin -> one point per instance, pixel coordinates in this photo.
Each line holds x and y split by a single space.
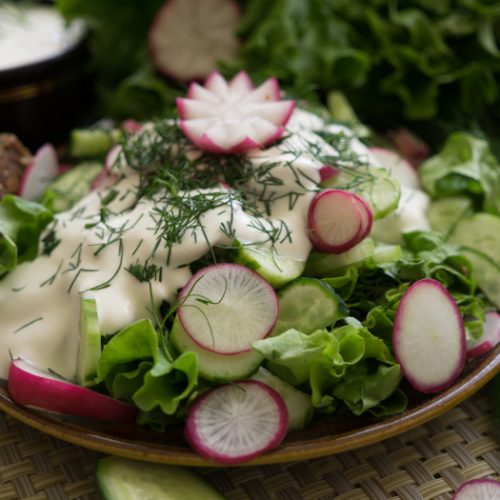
336 221
131 126
479 489
188 38
411 147
276 426
232 117
326 172
33 388
429 336
490 338
367 219
39 173
234 312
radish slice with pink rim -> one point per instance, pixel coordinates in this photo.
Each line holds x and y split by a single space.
232 117
37 176
479 489
236 422
34 388
488 340
337 220
429 336
188 38
224 308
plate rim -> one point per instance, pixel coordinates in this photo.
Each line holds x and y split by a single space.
436 405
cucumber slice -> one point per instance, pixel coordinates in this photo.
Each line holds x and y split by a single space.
277 269
89 351
298 404
384 254
329 264
93 143
308 304
480 232
486 273
443 214
213 366
71 186
124 479
374 185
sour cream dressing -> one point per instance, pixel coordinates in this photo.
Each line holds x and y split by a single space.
40 300
33 33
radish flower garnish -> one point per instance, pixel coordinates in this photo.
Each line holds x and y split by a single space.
233 117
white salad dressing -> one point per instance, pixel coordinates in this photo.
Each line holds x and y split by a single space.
40 300
33 33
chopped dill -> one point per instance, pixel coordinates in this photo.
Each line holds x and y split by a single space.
50 242
145 272
26 325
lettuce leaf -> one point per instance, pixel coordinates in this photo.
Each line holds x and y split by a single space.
344 367
465 166
21 223
138 366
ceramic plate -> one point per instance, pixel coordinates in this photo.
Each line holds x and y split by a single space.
325 437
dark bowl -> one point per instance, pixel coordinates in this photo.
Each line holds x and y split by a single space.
42 101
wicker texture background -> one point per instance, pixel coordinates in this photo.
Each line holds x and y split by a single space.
428 462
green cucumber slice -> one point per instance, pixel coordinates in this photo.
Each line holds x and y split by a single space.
384 254
329 264
213 366
124 479
480 232
486 273
71 186
375 185
89 350
298 404
276 269
308 304
443 214
93 143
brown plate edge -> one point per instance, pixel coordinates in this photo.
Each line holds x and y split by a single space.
287 451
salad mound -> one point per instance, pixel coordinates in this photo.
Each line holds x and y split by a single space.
176 273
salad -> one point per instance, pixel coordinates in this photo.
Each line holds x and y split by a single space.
245 268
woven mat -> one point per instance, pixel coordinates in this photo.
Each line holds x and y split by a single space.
425 463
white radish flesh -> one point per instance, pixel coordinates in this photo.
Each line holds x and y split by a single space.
479 489
337 220
39 173
188 38
429 336
235 423
489 339
232 118
34 388
224 308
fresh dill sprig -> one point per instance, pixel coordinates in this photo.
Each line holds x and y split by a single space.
145 272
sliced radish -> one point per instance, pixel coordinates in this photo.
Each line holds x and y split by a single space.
479 489
489 339
411 147
398 167
106 177
233 117
39 173
327 172
429 336
131 126
234 423
338 220
224 308
188 38
34 388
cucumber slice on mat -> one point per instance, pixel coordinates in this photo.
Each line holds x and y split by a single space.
124 479
298 404
277 269
90 343
213 366
308 304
